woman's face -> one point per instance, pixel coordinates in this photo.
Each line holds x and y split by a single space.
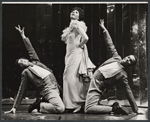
74 15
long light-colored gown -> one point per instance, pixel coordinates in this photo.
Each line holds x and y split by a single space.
76 63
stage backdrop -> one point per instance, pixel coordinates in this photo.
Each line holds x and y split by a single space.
127 24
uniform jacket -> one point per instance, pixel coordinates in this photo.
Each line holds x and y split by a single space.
121 77
28 76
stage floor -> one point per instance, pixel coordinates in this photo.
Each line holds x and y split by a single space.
22 114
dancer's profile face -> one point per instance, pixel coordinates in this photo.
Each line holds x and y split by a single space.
128 60
23 63
74 15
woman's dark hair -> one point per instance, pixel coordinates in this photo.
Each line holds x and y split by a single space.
81 12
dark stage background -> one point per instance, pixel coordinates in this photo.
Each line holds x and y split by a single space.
127 24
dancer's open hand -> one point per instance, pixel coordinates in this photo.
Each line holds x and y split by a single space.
101 23
21 31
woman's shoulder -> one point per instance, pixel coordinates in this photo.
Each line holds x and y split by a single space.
82 22
83 25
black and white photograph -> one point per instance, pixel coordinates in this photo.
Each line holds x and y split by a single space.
74 60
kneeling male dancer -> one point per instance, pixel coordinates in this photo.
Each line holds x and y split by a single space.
108 74
42 78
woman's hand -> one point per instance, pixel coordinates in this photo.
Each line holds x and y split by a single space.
74 24
79 46
13 110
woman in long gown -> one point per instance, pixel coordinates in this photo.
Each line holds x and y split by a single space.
77 62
